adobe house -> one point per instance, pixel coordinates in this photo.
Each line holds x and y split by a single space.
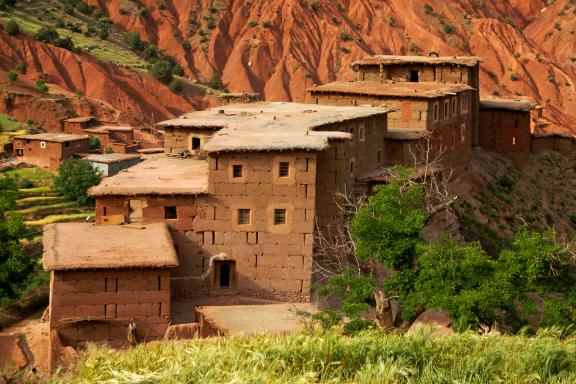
48 149
120 139
238 98
242 218
560 142
109 164
505 125
437 69
103 277
76 125
440 110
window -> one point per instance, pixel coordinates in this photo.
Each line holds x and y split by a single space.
361 134
414 76
243 216
515 123
436 108
351 166
42 144
446 109
195 143
237 170
379 154
170 212
513 140
283 169
454 111
463 103
279 216
463 133
67 144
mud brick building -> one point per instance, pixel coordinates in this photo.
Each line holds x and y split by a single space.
102 277
110 164
505 126
242 212
441 111
77 125
48 149
120 139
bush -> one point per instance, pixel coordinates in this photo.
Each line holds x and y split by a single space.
345 36
94 143
22 67
151 52
162 70
12 28
175 86
74 179
215 82
133 40
64 42
253 24
47 34
12 76
266 23
41 86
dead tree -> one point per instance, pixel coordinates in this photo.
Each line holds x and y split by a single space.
335 249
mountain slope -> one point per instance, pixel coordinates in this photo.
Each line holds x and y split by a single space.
279 47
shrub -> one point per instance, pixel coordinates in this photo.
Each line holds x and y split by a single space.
266 23
133 40
94 143
550 77
345 36
103 33
64 42
215 82
517 55
41 86
162 5
252 24
557 26
59 23
448 29
22 67
74 179
47 34
12 28
573 59
151 52
162 70
175 86
513 76
12 76
428 9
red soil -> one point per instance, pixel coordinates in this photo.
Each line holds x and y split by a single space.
303 46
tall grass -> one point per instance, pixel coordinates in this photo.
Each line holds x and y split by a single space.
331 358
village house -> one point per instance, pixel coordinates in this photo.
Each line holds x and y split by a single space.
77 125
48 150
242 213
505 126
119 139
439 110
103 277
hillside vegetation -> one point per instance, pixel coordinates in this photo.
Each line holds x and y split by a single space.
368 357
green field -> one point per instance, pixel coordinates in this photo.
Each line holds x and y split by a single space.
32 17
369 357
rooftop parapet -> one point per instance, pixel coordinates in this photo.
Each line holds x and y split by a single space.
468 61
427 90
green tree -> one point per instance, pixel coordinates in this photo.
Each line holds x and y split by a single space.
161 70
47 35
12 76
22 67
12 28
134 41
74 179
41 86
15 266
215 82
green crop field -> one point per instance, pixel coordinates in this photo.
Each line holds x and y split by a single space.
369 357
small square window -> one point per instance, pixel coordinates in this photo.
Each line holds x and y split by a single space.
361 134
237 170
283 169
67 144
279 216
243 216
42 144
170 212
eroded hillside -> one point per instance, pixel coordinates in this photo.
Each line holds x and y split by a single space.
279 47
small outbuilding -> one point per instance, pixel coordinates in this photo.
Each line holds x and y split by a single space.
107 279
110 164
49 149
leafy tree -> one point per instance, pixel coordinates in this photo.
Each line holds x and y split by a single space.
15 266
215 82
94 143
151 52
475 289
133 40
74 179
161 70
22 67
12 28
64 42
12 76
47 35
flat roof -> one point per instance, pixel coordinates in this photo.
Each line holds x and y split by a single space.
81 119
109 158
277 126
57 137
69 246
428 90
160 175
405 134
468 61
520 105
108 128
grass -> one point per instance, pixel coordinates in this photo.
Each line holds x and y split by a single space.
62 218
32 174
43 191
369 357
39 200
6 137
9 124
45 209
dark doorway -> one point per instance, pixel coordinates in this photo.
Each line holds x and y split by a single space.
195 143
224 274
414 76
